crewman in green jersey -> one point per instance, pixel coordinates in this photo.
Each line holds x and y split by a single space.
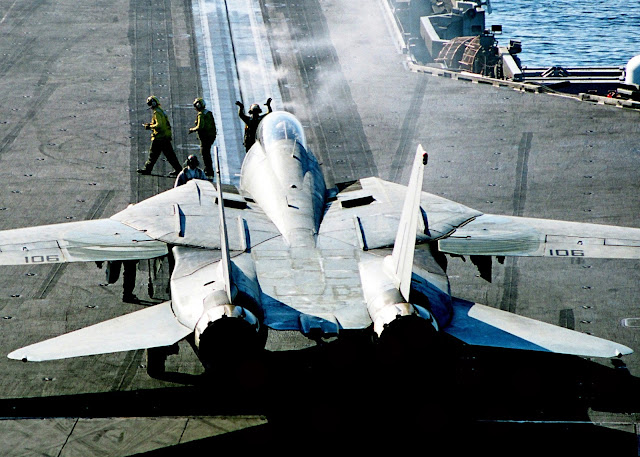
205 125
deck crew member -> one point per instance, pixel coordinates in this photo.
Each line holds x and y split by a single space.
205 125
190 171
251 121
160 139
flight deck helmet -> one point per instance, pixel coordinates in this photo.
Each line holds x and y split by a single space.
199 104
192 161
255 108
153 101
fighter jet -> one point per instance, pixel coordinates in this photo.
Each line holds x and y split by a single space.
286 253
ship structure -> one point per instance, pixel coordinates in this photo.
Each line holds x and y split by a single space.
450 37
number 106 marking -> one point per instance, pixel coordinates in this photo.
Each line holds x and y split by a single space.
42 258
566 252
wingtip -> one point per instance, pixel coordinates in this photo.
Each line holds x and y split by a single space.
15 355
622 351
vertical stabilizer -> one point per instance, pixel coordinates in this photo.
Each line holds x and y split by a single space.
400 264
224 239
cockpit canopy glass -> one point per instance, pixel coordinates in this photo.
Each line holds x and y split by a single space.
280 125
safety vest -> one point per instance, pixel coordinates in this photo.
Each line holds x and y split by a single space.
206 126
160 126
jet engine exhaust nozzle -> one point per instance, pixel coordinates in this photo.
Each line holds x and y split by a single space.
225 330
407 337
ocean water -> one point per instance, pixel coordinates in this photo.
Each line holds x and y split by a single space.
570 32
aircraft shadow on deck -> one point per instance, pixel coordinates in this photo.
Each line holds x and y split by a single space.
464 400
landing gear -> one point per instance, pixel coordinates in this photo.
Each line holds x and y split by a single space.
156 358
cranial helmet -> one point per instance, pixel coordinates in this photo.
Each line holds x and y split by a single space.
153 101
192 161
199 104
255 108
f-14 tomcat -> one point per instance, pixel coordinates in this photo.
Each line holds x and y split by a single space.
286 253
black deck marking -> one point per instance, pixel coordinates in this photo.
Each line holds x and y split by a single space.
127 370
511 276
44 94
22 12
43 89
567 319
403 156
68 436
98 207
510 288
50 280
155 71
150 68
522 171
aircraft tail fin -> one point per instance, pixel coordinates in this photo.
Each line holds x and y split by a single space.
481 325
150 327
224 238
400 263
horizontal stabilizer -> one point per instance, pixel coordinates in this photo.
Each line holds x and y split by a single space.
481 325
150 327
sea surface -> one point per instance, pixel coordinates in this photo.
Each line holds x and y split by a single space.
570 33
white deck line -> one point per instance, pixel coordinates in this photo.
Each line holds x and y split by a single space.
219 81
235 64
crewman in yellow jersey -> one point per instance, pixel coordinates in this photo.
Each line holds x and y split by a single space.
160 139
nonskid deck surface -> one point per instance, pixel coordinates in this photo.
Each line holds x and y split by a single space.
72 140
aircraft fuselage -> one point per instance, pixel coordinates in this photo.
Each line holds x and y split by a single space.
285 179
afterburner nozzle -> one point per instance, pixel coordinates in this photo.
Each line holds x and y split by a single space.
226 331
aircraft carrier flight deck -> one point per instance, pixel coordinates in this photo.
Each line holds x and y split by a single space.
75 78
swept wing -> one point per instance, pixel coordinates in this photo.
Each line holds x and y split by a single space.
188 216
489 234
373 207
371 204
95 240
